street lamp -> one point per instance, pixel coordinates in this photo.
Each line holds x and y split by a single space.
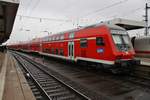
48 32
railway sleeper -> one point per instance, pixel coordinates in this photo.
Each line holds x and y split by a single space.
69 97
60 94
50 88
49 84
56 90
39 97
43 81
37 93
35 90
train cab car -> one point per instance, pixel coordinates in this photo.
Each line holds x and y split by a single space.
101 43
106 44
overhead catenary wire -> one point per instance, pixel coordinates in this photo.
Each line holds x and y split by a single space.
79 20
67 20
104 8
41 18
28 6
133 11
55 19
35 6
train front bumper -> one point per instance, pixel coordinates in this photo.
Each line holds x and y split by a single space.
126 63
125 66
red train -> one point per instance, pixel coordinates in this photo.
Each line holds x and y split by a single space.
100 43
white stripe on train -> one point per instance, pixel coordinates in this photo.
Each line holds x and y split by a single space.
80 58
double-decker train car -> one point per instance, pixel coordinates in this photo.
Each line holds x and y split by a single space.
142 46
100 43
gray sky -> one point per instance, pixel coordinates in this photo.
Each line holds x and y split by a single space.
60 15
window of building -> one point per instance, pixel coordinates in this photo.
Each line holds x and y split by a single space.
83 43
100 41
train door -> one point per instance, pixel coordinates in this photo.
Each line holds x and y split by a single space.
71 50
71 46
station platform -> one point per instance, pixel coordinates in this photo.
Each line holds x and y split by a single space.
13 85
144 61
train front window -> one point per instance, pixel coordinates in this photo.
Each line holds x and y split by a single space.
117 39
122 41
126 39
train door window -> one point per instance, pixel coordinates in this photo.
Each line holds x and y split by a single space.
56 51
83 43
69 50
72 50
61 52
100 41
71 35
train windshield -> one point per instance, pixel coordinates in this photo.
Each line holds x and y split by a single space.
122 40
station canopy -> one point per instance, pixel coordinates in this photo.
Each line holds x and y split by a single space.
127 24
8 10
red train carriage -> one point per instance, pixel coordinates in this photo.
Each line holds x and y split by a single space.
100 43
35 45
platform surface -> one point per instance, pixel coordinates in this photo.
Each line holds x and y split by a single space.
15 86
144 61
1 59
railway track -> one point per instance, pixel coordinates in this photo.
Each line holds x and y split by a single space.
142 71
111 85
36 89
51 87
141 76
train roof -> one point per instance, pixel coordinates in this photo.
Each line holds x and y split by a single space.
112 26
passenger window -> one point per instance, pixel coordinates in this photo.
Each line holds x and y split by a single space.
83 43
62 37
46 50
100 41
56 51
61 52
57 38
53 38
